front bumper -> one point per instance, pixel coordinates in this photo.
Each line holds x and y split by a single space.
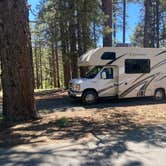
72 93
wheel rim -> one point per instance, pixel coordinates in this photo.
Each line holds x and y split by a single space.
90 98
159 95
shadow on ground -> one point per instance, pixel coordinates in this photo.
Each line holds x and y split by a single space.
60 104
109 137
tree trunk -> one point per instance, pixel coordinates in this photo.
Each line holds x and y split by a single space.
157 23
148 24
124 22
94 35
65 58
37 67
115 23
57 65
40 66
72 32
16 56
107 9
53 65
50 72
65 46
79 36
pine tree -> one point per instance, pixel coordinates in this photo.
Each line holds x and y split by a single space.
107 6
16 57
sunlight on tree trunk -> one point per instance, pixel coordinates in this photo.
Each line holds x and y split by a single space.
16 56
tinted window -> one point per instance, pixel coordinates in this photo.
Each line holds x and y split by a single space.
109 73
133 66
93 72
108 56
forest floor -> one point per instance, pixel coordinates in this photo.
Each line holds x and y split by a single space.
63 118
109 128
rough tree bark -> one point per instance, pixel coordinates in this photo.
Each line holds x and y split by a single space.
148 24
65 48
16 56
107 9
72 32
124 22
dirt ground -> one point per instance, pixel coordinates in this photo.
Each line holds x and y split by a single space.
63 119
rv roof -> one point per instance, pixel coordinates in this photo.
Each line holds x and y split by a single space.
93 56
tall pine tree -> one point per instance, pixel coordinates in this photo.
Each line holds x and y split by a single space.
16 57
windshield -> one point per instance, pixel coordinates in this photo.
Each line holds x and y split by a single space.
93 72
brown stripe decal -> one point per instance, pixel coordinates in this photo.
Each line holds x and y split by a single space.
109 87
142 90
162 78
162 52
116 59
129 90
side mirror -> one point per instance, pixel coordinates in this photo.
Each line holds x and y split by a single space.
103 75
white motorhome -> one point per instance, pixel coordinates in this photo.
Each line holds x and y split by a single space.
121 72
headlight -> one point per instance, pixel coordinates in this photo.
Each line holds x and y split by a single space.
76 87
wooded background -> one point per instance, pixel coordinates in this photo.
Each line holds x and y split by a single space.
65 29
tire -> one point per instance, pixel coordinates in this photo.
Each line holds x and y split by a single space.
89 97
159 94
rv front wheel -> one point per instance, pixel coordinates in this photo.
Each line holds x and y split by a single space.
89 97
159 94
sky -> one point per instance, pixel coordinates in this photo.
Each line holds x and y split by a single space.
133 16
33 4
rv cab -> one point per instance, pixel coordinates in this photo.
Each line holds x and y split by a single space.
122 73
98 78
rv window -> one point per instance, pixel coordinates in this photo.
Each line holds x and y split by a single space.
93 72
109 73
134 66
108 56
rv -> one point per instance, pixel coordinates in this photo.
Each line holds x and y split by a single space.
121 73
